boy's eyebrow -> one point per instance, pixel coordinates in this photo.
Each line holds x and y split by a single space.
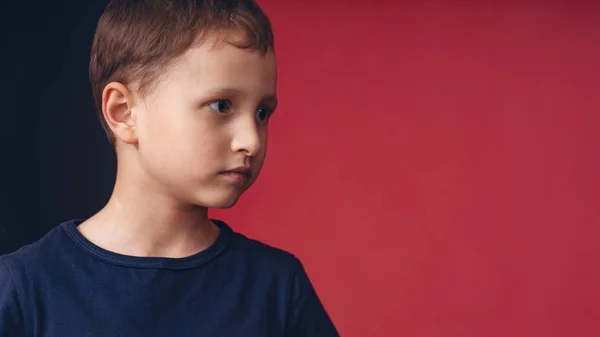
271 99
227 91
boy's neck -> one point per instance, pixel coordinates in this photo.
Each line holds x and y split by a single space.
138 223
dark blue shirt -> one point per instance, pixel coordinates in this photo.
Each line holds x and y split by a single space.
65 286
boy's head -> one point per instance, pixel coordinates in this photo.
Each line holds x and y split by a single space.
185 89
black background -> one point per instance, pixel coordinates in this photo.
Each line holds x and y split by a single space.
56 162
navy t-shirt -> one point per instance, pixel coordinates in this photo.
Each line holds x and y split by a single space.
65 286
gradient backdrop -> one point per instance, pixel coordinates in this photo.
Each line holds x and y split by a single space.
434 164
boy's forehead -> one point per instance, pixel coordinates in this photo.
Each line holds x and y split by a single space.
220 64
219 50
226 58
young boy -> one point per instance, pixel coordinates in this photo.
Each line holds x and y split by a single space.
185 91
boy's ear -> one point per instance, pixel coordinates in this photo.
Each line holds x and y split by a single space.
117 103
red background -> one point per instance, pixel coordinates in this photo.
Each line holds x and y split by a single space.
435 164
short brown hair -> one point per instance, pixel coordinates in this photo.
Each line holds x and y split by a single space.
136 39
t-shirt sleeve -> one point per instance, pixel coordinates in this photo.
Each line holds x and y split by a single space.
309 317
10 309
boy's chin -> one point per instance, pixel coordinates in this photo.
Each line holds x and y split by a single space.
219 201
225 204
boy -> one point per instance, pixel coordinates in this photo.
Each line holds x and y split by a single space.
185 90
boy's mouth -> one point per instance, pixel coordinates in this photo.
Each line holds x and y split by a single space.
238 174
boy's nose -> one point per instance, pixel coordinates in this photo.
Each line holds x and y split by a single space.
247 140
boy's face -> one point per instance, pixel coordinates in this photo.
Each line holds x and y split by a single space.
208 115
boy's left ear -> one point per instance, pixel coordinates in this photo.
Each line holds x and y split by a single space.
117 103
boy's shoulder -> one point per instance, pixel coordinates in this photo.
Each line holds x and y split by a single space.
258 252
41 253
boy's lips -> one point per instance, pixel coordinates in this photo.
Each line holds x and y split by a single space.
238 174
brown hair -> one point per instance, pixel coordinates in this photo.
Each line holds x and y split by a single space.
136 39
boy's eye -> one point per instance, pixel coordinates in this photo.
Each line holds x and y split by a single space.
220 106
262 114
